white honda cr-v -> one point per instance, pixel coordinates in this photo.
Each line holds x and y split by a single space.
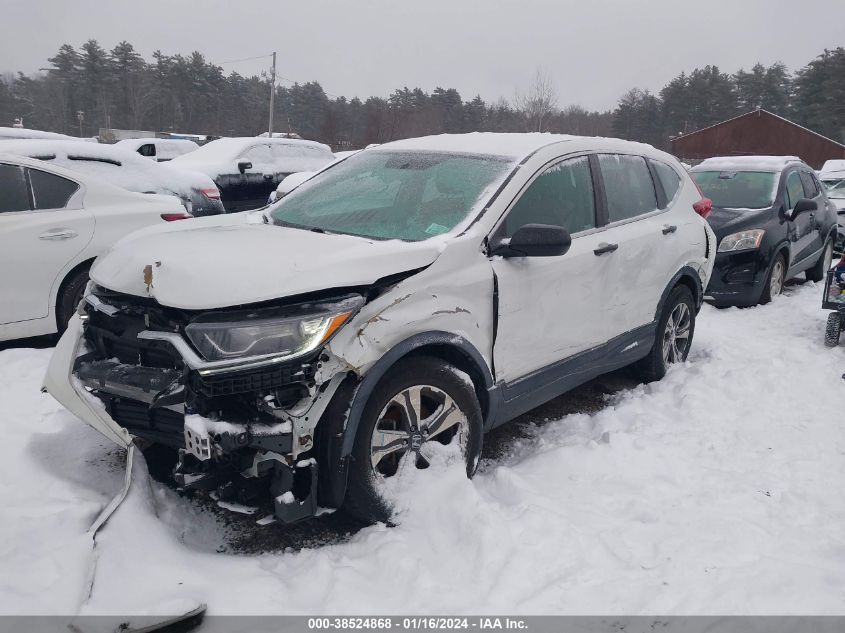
394 307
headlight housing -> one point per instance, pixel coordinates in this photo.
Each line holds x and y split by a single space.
741 241
270 333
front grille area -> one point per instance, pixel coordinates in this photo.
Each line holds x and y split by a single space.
118 362
164 426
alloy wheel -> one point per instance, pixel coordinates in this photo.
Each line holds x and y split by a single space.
676 336
776 279
408 425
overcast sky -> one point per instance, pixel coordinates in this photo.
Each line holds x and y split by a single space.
593 50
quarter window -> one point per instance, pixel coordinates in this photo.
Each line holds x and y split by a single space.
794 189
628 186
50 191
561 196
669 179
13 190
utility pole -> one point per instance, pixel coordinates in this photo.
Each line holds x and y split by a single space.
272 93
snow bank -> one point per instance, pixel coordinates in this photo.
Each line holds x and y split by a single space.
116 165
715 491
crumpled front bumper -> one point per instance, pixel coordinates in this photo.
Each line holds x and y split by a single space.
60 383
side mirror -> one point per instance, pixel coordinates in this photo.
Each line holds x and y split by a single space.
804 205
244 165
535 240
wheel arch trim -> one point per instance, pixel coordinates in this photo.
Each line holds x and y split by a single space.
416 343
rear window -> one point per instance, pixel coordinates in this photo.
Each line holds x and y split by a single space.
628 186
738 189
49 190
13 185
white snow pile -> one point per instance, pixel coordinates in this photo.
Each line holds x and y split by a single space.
18 133
717 490
116 165
270 156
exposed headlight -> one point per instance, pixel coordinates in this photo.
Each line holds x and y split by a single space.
742 241
270 332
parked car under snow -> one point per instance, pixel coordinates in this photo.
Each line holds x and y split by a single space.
126 169
417 296
160 150
248 169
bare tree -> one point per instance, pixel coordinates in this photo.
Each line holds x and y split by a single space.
538 103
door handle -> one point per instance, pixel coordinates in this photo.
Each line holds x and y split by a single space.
605 248
58 234
669 228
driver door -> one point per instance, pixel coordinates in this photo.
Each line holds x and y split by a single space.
551 308
803 232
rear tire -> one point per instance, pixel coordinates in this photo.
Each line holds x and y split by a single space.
774 280
673 338
819 270
70 295
833 329
432 386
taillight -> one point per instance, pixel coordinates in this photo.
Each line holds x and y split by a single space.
704 206
172 217
211 194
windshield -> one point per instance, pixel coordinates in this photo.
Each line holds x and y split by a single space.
835 188
737 189
392 195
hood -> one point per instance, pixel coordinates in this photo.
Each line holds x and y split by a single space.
727 221
223 261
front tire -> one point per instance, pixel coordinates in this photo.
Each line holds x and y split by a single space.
673 338
421 400
774 280
818 272
71 293
833 329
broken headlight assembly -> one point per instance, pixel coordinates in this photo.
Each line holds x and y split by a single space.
270 333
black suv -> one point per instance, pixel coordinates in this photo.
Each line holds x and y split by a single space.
772 220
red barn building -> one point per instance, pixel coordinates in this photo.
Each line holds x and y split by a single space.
757 133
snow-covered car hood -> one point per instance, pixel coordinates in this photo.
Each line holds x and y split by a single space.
224 261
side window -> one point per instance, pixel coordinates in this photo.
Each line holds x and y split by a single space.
794 189
810 190
148 150
669 179
562 196
628 186
49 190
257 155
13 190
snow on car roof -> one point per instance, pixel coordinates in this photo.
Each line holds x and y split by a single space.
116 165
514 145
135 143
745 163
833 169
491 143
22 133
227 149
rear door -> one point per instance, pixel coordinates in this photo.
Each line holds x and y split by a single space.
551 308
42 228
635 226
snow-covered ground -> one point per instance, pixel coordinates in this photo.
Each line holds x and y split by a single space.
718 490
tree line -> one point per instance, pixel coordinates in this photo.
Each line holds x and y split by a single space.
89 88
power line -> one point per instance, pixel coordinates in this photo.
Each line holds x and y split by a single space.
245 59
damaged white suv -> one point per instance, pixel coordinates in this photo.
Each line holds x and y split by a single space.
409 297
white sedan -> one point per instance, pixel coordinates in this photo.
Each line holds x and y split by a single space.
53 223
